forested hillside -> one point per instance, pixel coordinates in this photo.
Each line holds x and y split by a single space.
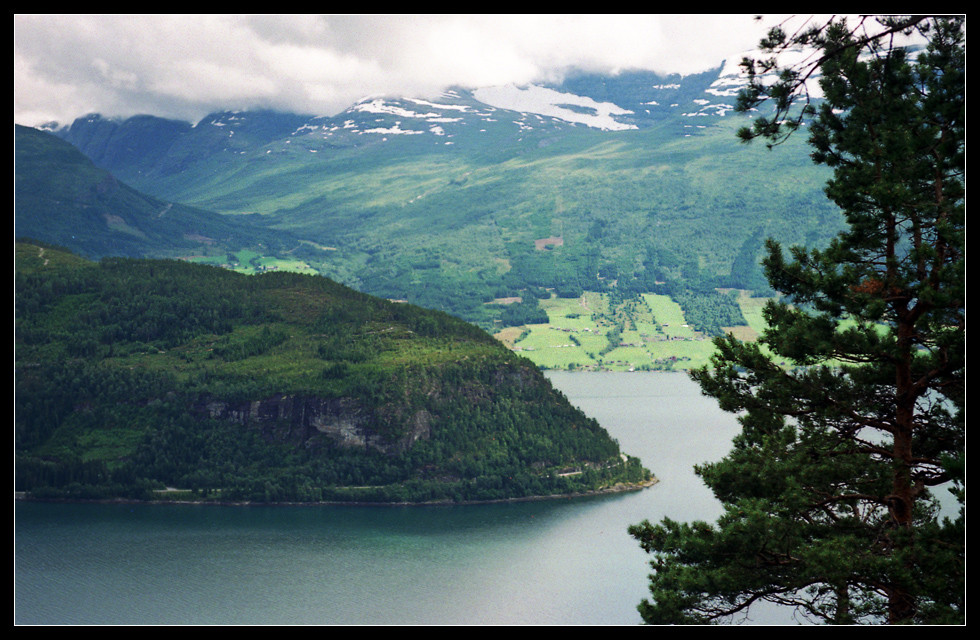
135 375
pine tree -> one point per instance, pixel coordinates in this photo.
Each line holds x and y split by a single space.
852 402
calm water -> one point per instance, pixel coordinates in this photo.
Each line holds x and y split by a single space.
555 562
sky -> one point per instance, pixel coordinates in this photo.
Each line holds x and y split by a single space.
186 66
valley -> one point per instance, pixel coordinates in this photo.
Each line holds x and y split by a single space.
448 202
359 307
464 288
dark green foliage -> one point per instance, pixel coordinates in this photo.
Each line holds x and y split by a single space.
747 270
830 492
231 350
707 310
527 311
132 375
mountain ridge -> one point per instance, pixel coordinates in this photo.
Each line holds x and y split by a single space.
631 99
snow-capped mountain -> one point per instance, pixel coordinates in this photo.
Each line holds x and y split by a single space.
626 101
629 100
481 120
551 103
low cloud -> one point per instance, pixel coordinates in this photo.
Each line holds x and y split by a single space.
187 66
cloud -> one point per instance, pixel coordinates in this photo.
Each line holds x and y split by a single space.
185 66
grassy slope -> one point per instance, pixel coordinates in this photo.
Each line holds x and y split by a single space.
386 208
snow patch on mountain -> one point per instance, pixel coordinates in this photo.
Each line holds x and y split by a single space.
436 105
555 104
378 105
732 79
396 130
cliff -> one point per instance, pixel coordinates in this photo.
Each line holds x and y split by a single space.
311 422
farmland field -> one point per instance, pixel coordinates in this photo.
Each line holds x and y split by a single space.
648 333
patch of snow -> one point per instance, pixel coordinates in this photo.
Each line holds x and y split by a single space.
731 79
454 107
544 101
707 109
395 130
307 127
379 106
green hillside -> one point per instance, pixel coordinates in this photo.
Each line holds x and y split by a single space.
137 375
61 197
454 230
677 207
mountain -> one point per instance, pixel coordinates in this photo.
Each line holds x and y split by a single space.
620 184
629 100
61 197
142 147
133 375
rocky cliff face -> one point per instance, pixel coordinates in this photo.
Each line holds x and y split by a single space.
311 422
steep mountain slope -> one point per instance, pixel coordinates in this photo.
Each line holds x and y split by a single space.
599 183
61 197
135 374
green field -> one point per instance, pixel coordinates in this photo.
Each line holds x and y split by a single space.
648 333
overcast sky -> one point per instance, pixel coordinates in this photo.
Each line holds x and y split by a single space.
66 66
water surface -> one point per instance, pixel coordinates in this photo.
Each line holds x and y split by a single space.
565 561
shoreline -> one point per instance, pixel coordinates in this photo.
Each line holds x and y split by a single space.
617 488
